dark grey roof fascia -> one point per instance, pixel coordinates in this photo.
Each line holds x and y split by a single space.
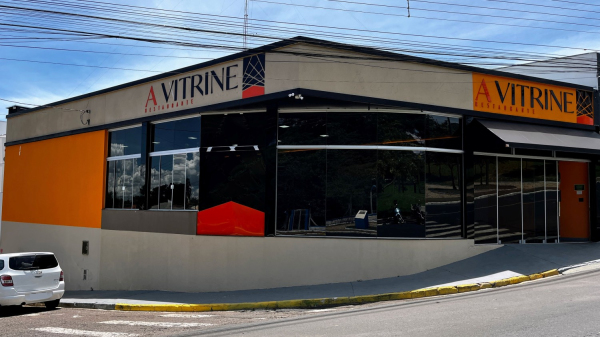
323 43
542 136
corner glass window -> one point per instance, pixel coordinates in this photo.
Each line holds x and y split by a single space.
125 169
125 142
443 132
175 165
179 134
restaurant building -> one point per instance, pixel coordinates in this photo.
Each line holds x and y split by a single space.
301 162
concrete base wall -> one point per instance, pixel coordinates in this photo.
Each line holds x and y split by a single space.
127 260
147 261
65 242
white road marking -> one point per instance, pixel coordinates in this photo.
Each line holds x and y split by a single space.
84 332
321 310
30 315
158 324
76 316
185 316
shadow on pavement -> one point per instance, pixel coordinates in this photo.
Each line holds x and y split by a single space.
21 310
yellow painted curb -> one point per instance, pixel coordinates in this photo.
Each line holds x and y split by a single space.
552 272
463 288
447 290
485 285
335 301
535 276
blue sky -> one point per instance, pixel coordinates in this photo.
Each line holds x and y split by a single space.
43 83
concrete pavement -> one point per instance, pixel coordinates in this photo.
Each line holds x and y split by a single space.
504 262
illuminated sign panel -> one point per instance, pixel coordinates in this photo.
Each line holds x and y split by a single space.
508 96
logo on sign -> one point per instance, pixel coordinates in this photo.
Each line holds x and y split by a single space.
182 91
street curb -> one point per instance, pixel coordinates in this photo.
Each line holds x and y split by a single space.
319 302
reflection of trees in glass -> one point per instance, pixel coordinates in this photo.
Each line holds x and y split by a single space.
443 199
351 128
401 180
401 129
192 181
443 132
301 186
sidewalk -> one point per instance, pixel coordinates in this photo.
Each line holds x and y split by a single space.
504 262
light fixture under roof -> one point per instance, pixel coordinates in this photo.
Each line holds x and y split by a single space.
155 142
284 126
324 136
192 137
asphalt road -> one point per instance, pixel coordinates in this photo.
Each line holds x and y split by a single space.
567 305
560 306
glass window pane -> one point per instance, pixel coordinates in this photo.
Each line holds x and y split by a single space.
232 176
486 196
443 132
401 193
119 184
509 200
110 185
154 183
401 129
234 128
351 128
351 187
166 182
127 183
442 196
534 226
301 191
125 142
192 181
552 202
302 128
138 184
179 134
179 161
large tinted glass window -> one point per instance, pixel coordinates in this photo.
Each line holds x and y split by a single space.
179 161
509 200
443 132
110 185
302 128
534 208
154 182
442 195
401 129
552 201
301 194
175 135
351 187
401 194
232 167
192 181
486 197
351 128
125 142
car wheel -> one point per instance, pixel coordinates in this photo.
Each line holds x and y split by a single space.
52 304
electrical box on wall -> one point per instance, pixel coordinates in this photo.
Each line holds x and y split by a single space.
85 248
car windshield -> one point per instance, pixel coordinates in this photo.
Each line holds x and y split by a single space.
1 264
28 262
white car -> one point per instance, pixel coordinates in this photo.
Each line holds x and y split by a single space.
27 278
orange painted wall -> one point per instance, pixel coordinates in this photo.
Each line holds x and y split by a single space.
58 181
574 215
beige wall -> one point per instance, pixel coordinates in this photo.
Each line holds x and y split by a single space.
143 261
121 105
65 242
122 260
393 80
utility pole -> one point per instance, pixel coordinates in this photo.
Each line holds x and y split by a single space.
246 26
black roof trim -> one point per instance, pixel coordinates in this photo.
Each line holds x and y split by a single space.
240 103
317 42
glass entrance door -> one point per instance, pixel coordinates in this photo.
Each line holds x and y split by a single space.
516 200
